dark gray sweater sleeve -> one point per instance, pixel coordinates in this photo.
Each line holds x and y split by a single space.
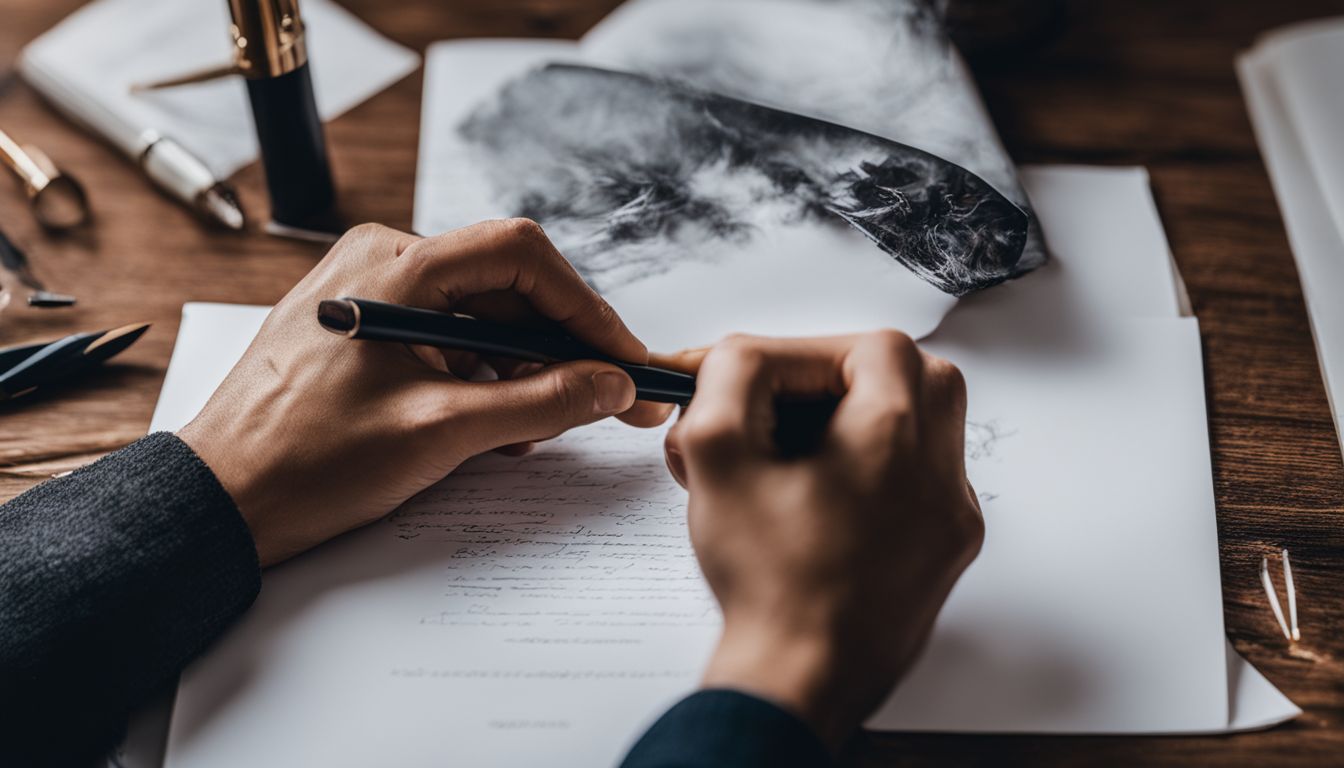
728 729
111 579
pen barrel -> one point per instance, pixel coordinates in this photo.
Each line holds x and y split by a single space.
176 170
293 147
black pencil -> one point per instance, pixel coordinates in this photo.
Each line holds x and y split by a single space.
380 321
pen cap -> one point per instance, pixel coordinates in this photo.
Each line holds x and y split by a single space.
271 54
268 37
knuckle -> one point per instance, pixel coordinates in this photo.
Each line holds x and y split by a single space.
707 437
737 342
949 379
523 230
738 350
356 241
563 392
968 530
900 348
367 234
606 314
366 230
896 429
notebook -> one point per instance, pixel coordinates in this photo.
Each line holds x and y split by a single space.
1291 82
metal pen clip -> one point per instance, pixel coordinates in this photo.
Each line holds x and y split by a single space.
58 201
268 41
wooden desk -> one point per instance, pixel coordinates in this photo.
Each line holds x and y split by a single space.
1147 83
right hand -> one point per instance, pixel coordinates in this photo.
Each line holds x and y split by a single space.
830 568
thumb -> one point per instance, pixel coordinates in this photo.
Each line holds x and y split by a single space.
540 406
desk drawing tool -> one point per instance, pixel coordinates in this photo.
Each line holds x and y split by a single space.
58 201
13 261
272 55
26 368
380 321
167 163
270 52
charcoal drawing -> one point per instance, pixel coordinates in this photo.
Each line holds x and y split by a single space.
632 176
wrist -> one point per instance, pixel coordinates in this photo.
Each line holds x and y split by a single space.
238 472
799 672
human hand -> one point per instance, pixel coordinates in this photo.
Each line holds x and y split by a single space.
829 567
314 435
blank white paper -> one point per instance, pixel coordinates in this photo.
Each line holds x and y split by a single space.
1300 185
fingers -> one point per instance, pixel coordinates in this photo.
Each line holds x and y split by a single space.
685 361
642 414
732 417
515 255
883 373
944 406
485 416
645 414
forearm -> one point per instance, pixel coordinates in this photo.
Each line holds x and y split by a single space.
111 579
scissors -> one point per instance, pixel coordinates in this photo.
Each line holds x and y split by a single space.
26 368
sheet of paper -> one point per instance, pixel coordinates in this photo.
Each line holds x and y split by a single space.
1113 203
761 271
1316 237
551 606
107 46
881 66
1305 61
1254 702
1112 258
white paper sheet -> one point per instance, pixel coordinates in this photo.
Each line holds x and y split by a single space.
1305 61
104 48
1292 136
882 66
1114 204
475 627
1109 249
1063 658
764 284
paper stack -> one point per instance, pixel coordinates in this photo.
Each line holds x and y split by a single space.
1291 82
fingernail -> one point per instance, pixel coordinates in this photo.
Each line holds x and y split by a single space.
614 392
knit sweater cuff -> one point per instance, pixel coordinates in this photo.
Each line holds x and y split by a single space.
120 573
728 729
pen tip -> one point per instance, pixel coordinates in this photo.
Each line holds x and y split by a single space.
222 204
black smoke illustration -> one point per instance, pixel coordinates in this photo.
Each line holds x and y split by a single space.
630 174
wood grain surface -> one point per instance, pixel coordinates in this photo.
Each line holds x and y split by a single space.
1147 83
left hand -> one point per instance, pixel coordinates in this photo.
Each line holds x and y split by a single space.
314 435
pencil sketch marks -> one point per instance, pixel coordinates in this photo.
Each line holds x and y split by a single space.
633 176
983 438
983 443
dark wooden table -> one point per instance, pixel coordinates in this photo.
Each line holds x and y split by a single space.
1126 82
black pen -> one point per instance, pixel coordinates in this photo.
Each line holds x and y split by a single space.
380 321
26 368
